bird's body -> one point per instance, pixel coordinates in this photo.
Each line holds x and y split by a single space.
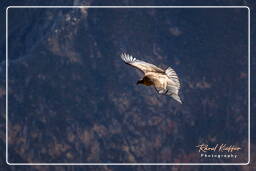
165 81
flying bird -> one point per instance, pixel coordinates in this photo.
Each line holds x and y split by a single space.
165 81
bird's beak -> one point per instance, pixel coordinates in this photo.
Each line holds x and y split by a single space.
139 82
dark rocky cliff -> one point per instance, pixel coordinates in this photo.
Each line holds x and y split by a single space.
72 99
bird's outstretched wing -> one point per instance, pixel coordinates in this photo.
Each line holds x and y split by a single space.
141 65
173 91
173 76
168 84
170 90
173 86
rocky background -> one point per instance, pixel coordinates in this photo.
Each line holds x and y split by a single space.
72 99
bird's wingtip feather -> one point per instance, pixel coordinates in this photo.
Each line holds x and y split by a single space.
127 58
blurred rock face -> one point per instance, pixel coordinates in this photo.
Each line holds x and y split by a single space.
72 99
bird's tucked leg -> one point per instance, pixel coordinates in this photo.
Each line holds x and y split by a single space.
161 91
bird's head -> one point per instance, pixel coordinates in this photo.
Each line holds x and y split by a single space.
140 82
